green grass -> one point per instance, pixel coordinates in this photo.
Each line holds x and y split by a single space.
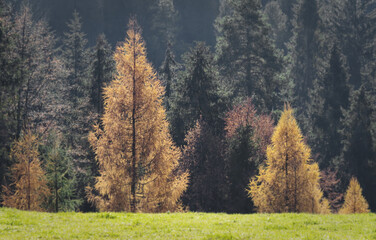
16 224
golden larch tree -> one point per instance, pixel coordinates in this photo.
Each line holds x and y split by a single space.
289 180
138 162
28 190
354 200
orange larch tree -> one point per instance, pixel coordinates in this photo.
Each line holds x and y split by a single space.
29 190
138 162
289 181
354 200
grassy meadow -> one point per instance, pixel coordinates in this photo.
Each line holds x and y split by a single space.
15 224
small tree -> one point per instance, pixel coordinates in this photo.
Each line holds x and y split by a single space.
289 181
29 189
354 200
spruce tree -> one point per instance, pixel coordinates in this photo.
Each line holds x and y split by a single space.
247 136
103 67
203 158
168 74
357 157
195 94
305 52
328 101
246 57
79 113
355 23
59 175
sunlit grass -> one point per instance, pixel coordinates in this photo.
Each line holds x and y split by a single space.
16 224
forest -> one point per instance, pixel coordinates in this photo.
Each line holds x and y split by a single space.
235 106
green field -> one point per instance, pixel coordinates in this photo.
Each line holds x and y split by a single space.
16 224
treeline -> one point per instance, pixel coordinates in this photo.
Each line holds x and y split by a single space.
215 152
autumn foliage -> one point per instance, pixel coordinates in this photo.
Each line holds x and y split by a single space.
28 190
137 158
354 200
289 181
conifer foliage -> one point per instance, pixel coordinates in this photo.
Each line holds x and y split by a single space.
137 158
29 188
354 200
289 181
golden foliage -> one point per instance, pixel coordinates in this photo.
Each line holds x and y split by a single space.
289 181
354 200
29 188
133 113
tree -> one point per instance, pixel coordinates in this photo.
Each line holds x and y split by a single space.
246 57
330 186
247 136
304 49
102 71
204 159
28 189
137 158
355 22
328 101
195 94
354 200
168 74
289 181
163 28
59 175
78 114
357 157
278 22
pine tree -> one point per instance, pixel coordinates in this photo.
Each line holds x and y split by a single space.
102 71
357 156
354 200
28 189
330 98
278 23
59 175
246 57
137 158
289 181
196 94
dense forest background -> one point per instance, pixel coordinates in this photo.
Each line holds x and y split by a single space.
228 68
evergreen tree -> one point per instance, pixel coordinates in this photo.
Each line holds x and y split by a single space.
247 135
102 71
289 181
278 23
246 57
358 154
195 94
305 52
79 113
28 189
163 28
137 158
59 175
168 74
355 23
354 200
203 158
330 98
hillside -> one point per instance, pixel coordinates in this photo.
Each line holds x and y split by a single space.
16 224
